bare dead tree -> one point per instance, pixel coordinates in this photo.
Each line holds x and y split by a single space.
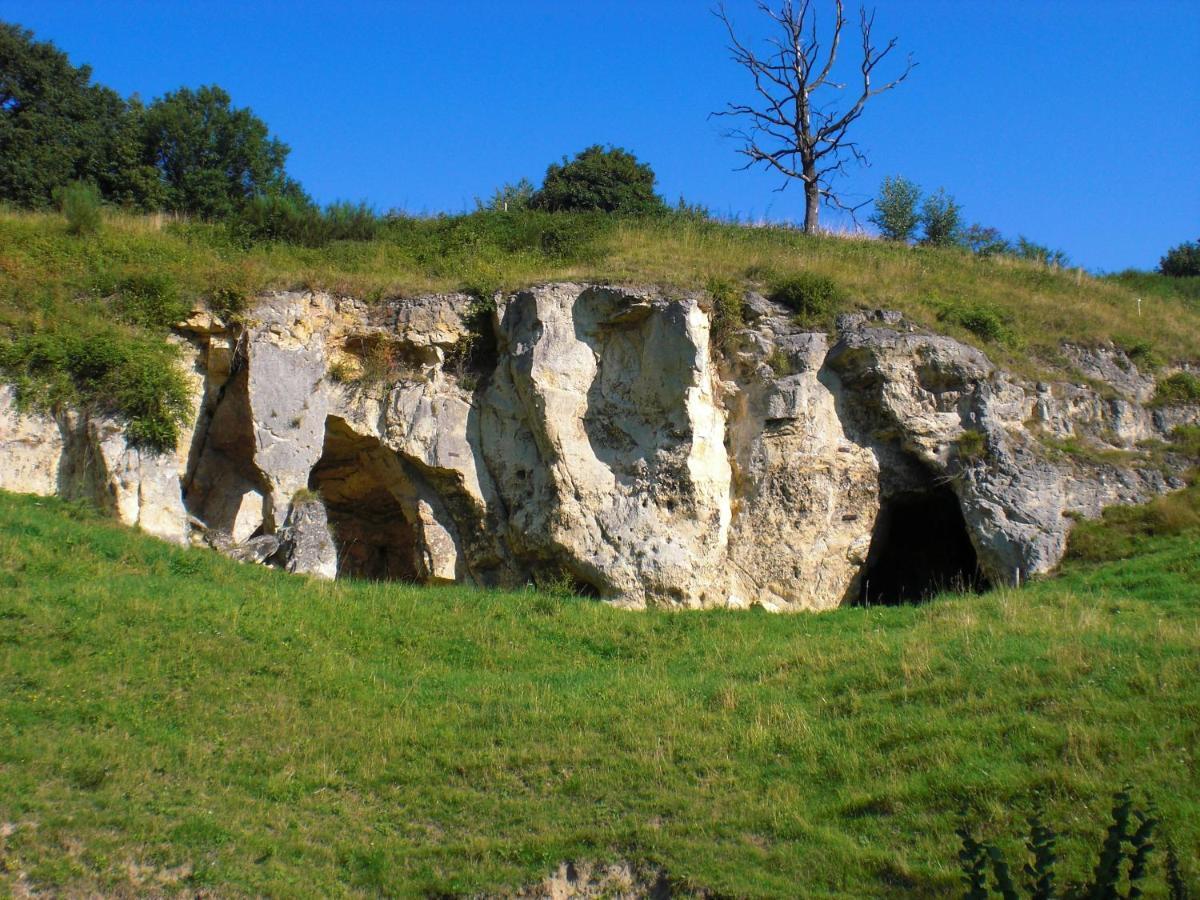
790 131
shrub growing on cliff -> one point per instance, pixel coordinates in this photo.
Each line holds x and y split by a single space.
136 377
727 312
810 296
606 180
982 320
1182 387
896 209
150 299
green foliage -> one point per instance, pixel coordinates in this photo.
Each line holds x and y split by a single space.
972 445
294 219
811 296
56 127
108 369
150 299
986 241
896 209
80 202
1140 352
1182 261
728 314
981 319
1156 286
1039 253
1122 863
1180 387
1122 531
513 197
1185 439
604 180
213 159
941 218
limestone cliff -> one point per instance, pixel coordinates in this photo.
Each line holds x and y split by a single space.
589 433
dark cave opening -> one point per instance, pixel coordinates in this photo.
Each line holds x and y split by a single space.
920 547
361 483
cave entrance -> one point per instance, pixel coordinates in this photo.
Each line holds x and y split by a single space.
364 488
920 547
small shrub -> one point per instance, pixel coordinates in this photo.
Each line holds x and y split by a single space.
80 202
155 400
942 218
982 320
294 219
1185 439
511 197
1040 253
1182 261
896 209
971 445
151 300
343 371
780 363
727 312
986 242
603 179
1140 351
810 296
1181 387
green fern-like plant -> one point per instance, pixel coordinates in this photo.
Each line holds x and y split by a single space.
1122 865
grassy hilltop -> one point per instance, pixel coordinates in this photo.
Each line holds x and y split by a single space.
171 720
124 285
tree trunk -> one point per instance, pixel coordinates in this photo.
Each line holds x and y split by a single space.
812 202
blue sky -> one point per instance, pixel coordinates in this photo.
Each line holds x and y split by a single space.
1074 122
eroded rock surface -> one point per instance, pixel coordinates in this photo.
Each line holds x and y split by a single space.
591 433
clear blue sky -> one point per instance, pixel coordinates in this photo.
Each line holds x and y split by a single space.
1075 122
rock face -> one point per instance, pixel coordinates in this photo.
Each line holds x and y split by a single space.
591 435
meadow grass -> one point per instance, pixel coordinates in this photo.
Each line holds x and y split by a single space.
170 720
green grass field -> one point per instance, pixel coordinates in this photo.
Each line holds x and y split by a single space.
171 721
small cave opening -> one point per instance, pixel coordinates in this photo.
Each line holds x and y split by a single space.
920 547
362 485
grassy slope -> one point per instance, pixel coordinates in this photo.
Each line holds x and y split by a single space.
43 270
166 714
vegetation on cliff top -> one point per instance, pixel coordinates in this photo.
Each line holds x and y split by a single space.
171 720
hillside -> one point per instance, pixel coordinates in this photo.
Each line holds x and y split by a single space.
1019 311
172 720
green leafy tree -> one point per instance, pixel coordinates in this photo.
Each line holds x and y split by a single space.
942 218
1182 261
986 241
608 180
896 209
509 197
56 127
1040 253
212 158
